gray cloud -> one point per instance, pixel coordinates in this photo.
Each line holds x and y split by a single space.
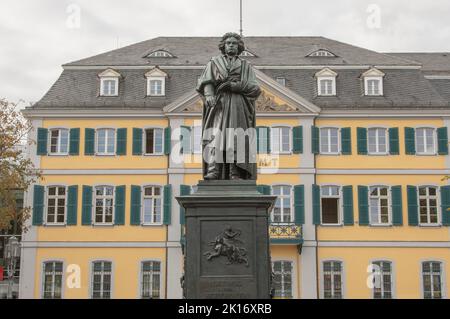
36 39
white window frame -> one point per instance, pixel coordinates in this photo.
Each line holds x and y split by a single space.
106 141
434 152
53 279
144 140
281 80
141 277
160 54
340 205
284 296
91 292
329 139
161 196
333 85
102 85
391 276
193 142
377 144
281 197
428 197
441 276
56 197
163 85
104 197
380 85
332 278
281 127
58 145
389 206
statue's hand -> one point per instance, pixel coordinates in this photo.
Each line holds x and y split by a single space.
210 100
224 87
235 87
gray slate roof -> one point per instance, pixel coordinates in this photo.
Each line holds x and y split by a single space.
432 63
403 88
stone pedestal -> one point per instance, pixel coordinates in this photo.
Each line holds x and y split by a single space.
227 241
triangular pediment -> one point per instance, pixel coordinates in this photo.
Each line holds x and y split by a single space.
326 72
373 72
109 73
156 72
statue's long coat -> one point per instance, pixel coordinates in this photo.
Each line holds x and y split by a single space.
232 110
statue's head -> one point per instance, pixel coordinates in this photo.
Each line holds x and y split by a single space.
231 44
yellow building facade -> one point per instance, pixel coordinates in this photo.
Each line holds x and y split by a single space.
362 208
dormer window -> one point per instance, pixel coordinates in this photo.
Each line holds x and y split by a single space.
160 54
326 82
247 53
109 83
322 53
156 82
373 82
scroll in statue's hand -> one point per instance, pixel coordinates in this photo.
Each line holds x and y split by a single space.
211 100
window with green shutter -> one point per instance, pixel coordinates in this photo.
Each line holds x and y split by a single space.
363 205
89 141
263 139
346 141
42 137
442 141
185 139
167 194
184 190
394 145
315 140
38 205
297 132
397 207
316 204
299 204
361 133
121 148
74 141
86 213
137 141
72 204
347 194
135 212
445 205
413 207
167 140
410 143
263 189
119 205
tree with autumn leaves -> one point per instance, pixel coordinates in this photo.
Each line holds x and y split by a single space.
17 172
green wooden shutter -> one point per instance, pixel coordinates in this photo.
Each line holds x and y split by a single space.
86 213
442 141
167 204
263 189
316 204
347 194
121 141
42 137
394 147
135 212
184 190
363 203
89 141
297 133
119 206
315 147
167 140
38 205
185 139
72 204
74 144
445 205
362 140
263 139
410 143
299 204
413 207
397 207
346 141
137 141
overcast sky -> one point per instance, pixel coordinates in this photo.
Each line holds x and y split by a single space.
37 36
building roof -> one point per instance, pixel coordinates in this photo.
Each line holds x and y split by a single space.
434 63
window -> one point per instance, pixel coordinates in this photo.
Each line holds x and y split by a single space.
104 201
156 82
52 283
383 280
56 205
106 140
379 205
330 205
156 87
109 86
377 141
373 82
425 141
281 81
150 279
428 206
332 280
283 279
321 53
432 279
101 279
329 140
281 212
327 86
281 139
152 205
160 54
59 141
153 141
197 139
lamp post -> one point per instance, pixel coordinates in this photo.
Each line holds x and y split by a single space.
12 252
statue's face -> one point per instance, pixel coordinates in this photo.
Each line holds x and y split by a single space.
231 46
